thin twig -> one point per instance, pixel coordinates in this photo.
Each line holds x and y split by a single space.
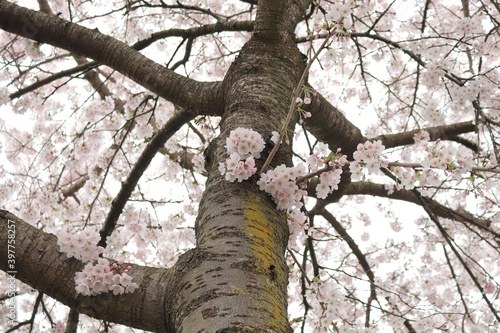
293 104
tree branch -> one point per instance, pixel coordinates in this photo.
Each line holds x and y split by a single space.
157 142
195 32
445 132
356 251
91 75
199 97
457 283
326 122
451 243
53 274
40 83
368 188
184 33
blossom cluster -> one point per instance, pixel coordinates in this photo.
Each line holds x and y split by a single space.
243 146
103 277
328 183
82 245
246 142
95 278
330 178
284 183
368 155
438 157
323 297
237 169
280 184
447 157
4 96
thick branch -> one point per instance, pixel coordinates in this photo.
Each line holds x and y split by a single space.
445 132
368 188
329 125
327 121
200 97
203 30
39 264
184 33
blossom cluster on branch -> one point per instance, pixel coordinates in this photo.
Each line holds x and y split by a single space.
102 277
95 278
280 183
82 245
287 186
243 146
329 168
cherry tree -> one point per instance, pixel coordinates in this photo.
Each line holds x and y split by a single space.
250 166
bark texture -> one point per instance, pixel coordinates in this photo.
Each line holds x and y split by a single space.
239 276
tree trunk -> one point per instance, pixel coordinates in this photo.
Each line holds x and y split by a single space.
237 280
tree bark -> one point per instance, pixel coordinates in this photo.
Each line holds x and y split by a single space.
239 281
38 263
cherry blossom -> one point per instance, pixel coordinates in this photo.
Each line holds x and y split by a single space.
280 184
81 245
4 96
102 277
245 142
422 214
95 278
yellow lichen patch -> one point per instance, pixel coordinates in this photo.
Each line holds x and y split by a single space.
238 291
257 225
